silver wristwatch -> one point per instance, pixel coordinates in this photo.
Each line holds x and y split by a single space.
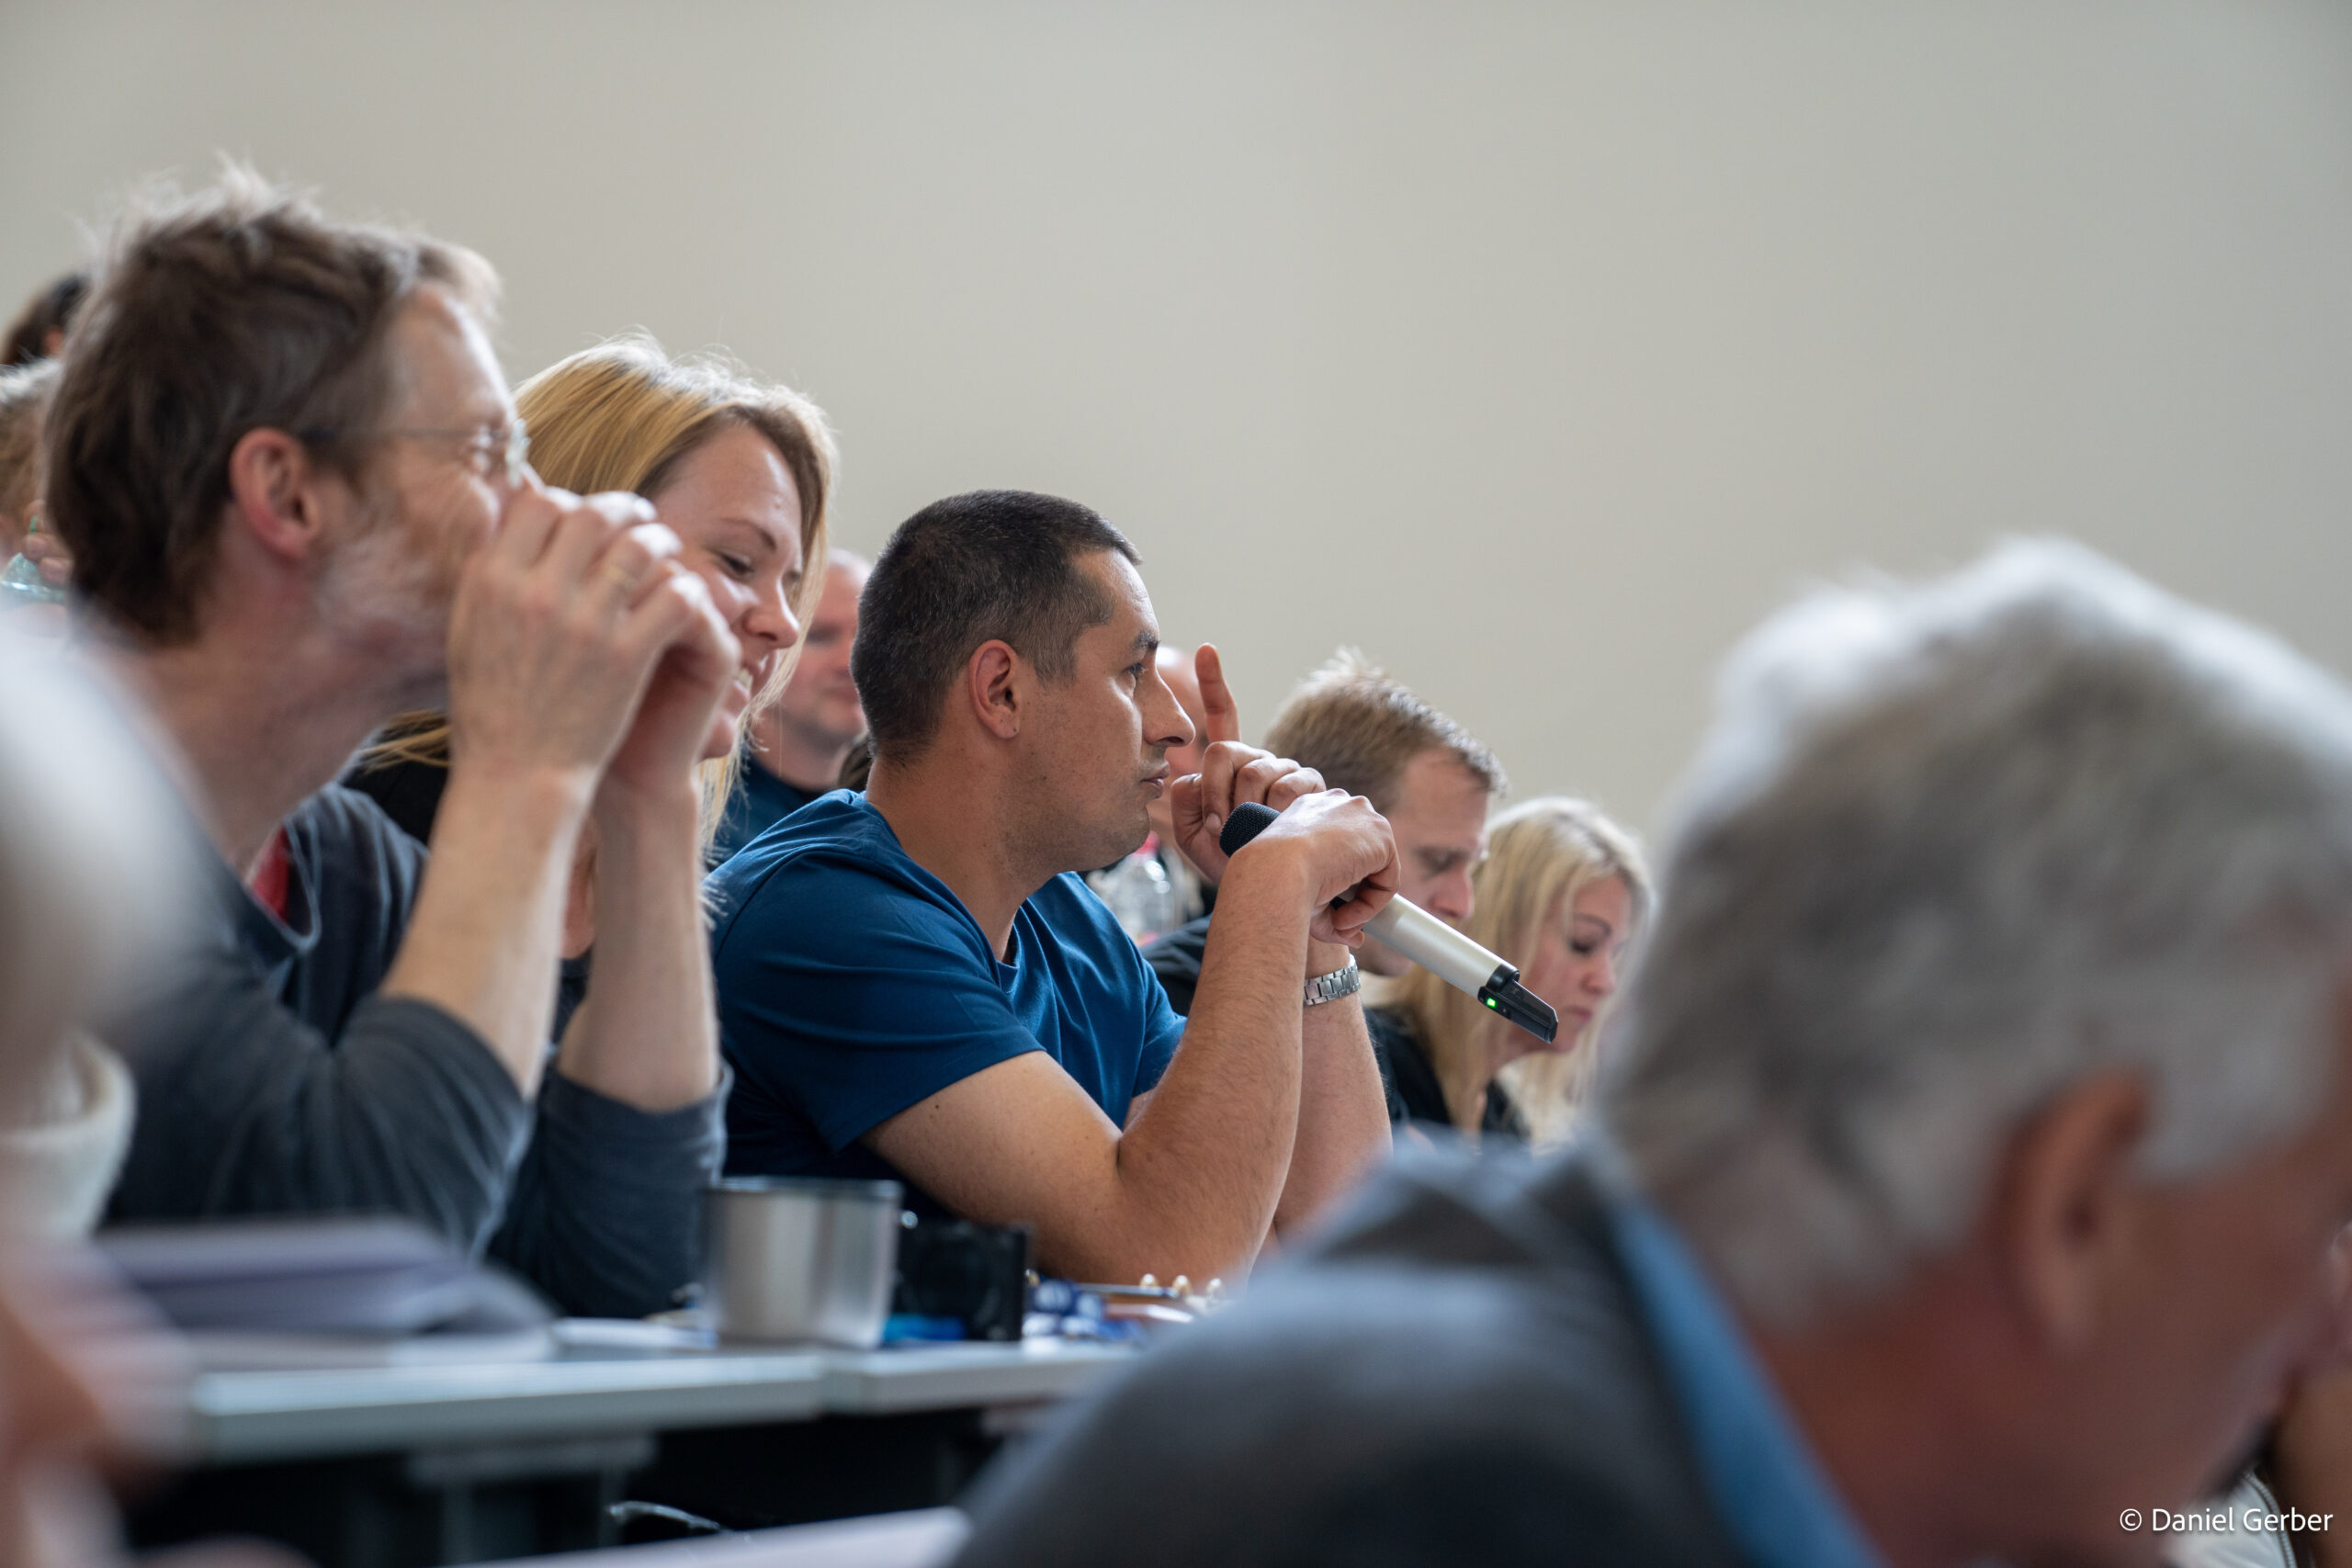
1337 983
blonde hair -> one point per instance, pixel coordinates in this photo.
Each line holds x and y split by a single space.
1540 856
623 416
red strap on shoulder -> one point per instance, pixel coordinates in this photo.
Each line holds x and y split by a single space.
271 872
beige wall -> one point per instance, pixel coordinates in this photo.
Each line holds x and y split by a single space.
1537 348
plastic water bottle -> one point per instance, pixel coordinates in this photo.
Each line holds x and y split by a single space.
1139 894
22 583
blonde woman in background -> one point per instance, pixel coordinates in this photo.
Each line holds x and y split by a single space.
738 469
1562 893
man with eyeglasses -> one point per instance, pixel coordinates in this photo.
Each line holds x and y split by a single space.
299 502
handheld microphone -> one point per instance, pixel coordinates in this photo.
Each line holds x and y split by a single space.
1412 932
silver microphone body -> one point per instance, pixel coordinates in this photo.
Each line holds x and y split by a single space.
1422 938
1413 934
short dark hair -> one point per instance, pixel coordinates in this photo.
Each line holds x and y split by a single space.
989 565
1361 729
50 311
239 308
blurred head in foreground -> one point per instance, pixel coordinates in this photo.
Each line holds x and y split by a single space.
1963 1165
90 871
1992 1040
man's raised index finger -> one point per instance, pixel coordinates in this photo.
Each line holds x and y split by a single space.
1223 720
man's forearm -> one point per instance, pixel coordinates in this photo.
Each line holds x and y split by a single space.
482 943
404 1112
647 1034
1342 1114
1211 1152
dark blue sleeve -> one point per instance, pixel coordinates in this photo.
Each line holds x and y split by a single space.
849 998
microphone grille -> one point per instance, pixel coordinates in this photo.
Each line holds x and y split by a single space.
1248 820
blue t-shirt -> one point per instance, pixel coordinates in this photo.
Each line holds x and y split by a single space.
852 983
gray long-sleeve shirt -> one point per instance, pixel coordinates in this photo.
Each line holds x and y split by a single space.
272 1080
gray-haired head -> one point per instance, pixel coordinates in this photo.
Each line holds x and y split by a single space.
1948 849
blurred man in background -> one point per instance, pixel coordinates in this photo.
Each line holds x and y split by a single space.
1369 735
38 331
1155 889
800 742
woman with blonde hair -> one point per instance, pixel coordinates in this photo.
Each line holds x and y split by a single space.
1562 893
741 470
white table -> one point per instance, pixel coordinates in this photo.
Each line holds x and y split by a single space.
247 1418
340 1461
962 1377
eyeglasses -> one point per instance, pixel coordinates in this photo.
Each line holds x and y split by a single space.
492 451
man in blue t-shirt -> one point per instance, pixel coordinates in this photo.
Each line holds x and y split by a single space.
914 982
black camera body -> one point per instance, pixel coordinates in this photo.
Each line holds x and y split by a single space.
978 1274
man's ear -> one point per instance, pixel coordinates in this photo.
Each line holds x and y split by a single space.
2069 1207
993 681
274 488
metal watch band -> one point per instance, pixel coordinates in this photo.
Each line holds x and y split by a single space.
1332 987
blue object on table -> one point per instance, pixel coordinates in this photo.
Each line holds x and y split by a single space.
1061 1310
901 1328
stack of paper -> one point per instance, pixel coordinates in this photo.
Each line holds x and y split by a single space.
327 1292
